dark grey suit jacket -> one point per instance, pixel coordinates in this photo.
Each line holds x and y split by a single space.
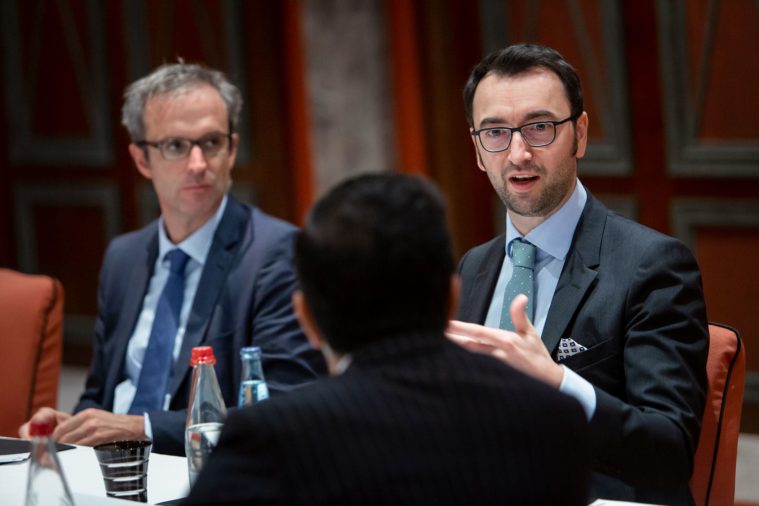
414 420
633 297
243 299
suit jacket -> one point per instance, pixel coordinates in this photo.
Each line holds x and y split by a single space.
243 299
633 297
415 419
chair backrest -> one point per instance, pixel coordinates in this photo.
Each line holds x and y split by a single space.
31 328
713 480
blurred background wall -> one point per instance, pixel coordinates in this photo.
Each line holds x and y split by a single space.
339 87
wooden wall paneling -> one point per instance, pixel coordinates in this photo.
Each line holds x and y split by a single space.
56 83
299 114
724 234
590 35
623 205
62 231
709 84
410 138
449 46
271 177
7 244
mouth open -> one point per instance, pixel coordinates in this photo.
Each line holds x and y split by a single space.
523 181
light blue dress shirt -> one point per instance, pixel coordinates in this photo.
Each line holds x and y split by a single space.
196 246
553 238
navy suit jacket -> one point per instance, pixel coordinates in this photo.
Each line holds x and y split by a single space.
415 419
633 297
243 299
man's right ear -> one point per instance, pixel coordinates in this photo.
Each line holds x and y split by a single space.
140 160
306 319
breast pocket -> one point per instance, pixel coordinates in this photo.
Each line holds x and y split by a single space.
600 352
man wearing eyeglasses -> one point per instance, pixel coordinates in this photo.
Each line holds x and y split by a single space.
210 271
606 310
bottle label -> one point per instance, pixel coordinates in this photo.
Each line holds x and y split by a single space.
252 391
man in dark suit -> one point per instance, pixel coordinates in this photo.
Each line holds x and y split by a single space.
232 288
616 316
408 417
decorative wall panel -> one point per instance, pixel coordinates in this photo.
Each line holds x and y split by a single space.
56 90
63 231
724 235
710 75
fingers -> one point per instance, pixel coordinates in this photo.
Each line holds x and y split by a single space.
460 332
95 426
518 311
69 431
478 338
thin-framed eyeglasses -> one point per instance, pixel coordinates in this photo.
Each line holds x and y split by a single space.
176 148
537 134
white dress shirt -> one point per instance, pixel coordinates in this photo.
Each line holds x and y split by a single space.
196 246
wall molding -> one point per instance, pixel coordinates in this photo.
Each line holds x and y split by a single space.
88 65
104 196
686 154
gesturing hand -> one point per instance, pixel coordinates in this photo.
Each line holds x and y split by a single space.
522 349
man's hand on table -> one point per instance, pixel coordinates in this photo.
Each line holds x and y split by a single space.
89 427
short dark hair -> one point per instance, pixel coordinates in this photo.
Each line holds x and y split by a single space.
374 260
520 58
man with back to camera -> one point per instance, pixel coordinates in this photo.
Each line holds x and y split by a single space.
408 417
616 316
209 271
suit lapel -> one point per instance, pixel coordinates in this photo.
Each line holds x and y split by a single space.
137 279
476 300
579 273
220 259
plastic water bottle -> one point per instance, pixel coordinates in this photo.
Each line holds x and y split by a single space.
253 385
46 483
206 411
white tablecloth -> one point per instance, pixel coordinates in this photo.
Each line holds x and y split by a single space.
167 479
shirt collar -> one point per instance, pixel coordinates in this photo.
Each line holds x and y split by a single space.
554 236
198 244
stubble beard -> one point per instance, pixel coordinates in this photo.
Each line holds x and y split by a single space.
553 194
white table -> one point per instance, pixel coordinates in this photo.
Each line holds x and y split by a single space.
167 479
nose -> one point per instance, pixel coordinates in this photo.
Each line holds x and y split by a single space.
519 151
196 160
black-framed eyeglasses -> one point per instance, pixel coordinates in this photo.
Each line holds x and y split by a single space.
176 148
537 134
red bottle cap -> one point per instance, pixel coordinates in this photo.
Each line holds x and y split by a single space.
202 355
40 428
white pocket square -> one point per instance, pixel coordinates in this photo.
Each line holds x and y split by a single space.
568 347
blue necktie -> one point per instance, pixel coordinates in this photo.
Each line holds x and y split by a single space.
522 280
156 364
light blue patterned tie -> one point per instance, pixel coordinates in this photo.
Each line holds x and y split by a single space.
156 365
522 280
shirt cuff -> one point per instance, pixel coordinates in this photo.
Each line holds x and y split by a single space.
149 428
578 387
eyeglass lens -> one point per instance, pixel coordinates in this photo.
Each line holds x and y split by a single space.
211 145
535 134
